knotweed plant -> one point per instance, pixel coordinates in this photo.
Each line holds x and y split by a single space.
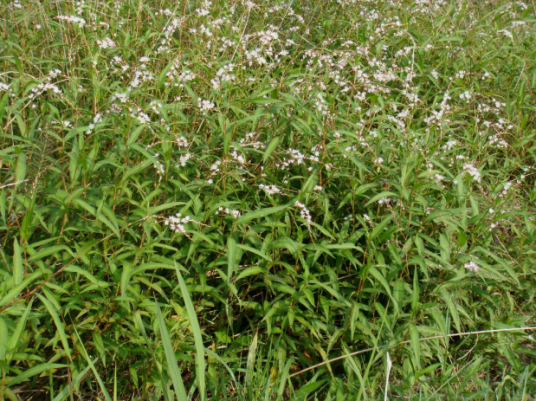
200 199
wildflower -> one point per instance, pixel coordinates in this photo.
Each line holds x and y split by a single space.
505 189
71 18
472 266
473 171
204 105
182 142
438 178
183 159
385 201
106 43
304 212
506 33
176 223
234 213
270 189
54 73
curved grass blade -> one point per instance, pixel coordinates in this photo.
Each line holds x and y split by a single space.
199 348
174 370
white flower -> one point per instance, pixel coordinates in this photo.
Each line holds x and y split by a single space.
183 159
182 142
438 178
106 43
384 201
71 18
204 105
304 212
270 189
176 223
472 266
234 213
122 97
506 33
473 171
318 188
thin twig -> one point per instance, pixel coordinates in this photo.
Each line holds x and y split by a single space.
408 341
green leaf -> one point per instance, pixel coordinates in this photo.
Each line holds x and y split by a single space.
196 329
92 365
250 271
255 251
173 368
379 228
270 148
155 209
34 371
378 276
18 268
285 242
73 132
11 295
256 214
125 279
508 268
414 336
264 100
309 388
57 321
47 251
133 136
99 216
385 194
74 383
231 257
452 308
20 169
14 341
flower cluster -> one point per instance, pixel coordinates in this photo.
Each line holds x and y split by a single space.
304 212
234 213
177 223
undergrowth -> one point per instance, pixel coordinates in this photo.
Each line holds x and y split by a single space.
199 200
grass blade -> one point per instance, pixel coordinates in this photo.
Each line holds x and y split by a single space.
57 321
173 368
199 347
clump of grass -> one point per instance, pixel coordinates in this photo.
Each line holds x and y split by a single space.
202 200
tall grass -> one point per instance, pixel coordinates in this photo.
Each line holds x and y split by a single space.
229 200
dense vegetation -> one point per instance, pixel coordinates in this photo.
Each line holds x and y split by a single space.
199 200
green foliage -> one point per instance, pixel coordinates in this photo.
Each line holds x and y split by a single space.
229 200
